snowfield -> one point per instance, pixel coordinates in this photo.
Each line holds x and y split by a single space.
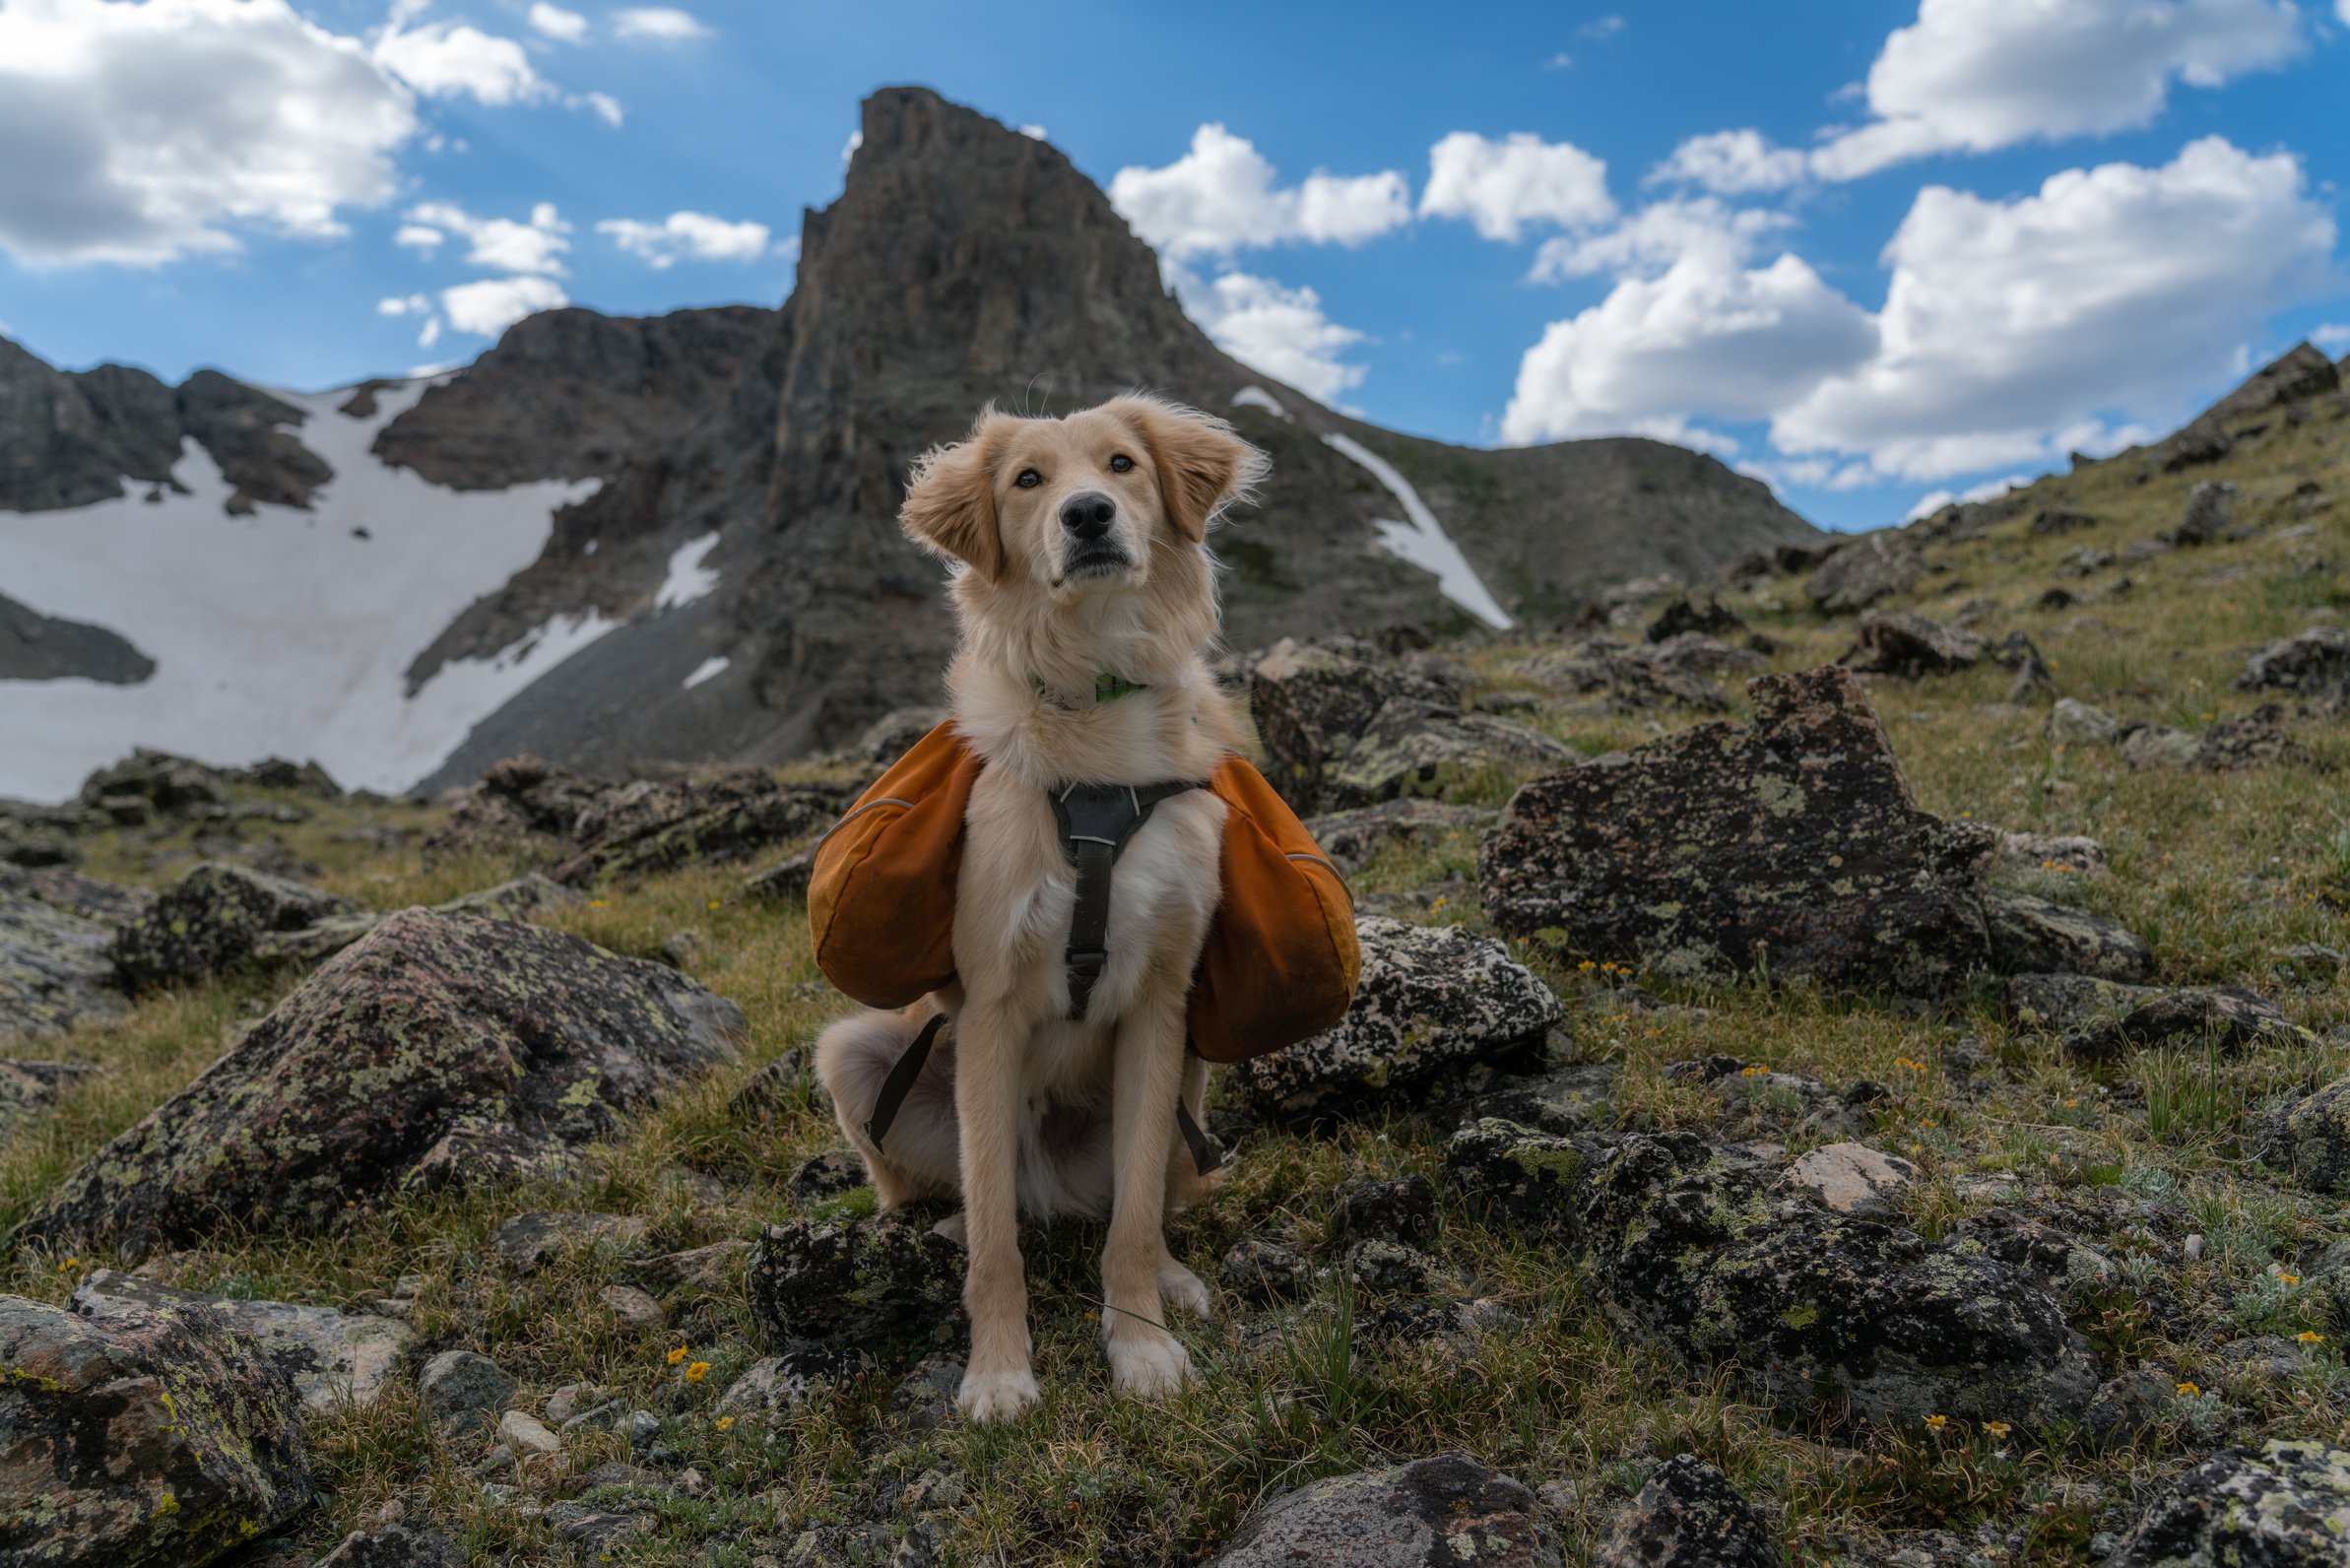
285 632
1422 542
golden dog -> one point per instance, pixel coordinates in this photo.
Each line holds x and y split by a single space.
1085 596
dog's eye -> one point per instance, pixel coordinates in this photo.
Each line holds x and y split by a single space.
1029 479
1121 463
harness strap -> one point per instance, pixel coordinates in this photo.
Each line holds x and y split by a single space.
900 1080
1095 822
1206 1154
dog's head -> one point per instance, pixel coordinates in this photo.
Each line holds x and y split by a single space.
1098 502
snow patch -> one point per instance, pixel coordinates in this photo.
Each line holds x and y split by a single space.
1256 397
283 633
1422 542
706 670
689 579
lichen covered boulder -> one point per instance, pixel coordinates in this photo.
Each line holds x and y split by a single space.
330 1357
2282 1504
1442 1512
2039 935
213 921
440 1050
1789 847
151 1438
2102 1018
2313 665
1688 1515
853 1281
55 972
2309 1136
1904 643
1534 1181
1350 838
1308 701
1413 747
1689 1246
1428 999
1871 568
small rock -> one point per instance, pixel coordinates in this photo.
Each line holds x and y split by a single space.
1402 1210
1389 1268
2211 506
2282 1504
2072 722
2058 520
783 1382
925 1396
852 1279
786 880
699 1268
2159 746
1350 838
332 1359
598 1531
1852 1179
2313 963
528 1241
2315 665
1267 1272
2037 936
1701 613
1428 999
526 1435
1535 1180
1688 1515
1871 568
2101 1019
2034 852
462 1391
1432 1513
394 1546
212 921
823 1177
931 1489
633 1307
1904 643
564 1403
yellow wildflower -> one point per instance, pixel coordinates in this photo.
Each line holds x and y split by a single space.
2189 1390
1934 1423
725 1422
1587 967
2291 1279
599 903
2310 1336
680 1354
697 1371
713 904
1997 1430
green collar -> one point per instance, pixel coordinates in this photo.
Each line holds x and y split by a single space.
1106 687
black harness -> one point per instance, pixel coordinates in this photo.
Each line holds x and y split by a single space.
1094 822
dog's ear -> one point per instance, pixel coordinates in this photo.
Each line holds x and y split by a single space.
950 507
1202 466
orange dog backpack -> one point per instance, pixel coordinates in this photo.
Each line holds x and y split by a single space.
1280 964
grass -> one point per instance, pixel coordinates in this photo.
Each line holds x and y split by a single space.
2220 873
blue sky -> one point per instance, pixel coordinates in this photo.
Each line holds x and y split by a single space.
1872 254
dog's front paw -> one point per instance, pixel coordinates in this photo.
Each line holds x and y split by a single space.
997 1395
1182 1289
1147 1365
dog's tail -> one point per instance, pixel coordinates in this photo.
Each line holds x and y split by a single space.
853 1059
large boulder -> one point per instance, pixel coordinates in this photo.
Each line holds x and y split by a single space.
2281 1505
439 1050
1442 1512
852 1279
1871 568
330 1357
524 811
1688 1515
213 919
1904 643
54 973
1789 847
144 1438
2315 665
1689 1245
1308 701
1429 999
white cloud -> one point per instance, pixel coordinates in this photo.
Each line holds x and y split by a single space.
1503 185
1974 75
1279 331
1707 337
606 108
1034 133
499 243
2334 336
556 22
137 133
1561 61
420 238
1220 196
2010 329
666 24
446 60
489 306
1731 164
416 305
1934 501
1660 235
1600 28
697 236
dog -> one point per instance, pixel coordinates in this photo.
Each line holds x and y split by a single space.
1086 597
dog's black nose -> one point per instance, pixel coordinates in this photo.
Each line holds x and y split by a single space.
1088 516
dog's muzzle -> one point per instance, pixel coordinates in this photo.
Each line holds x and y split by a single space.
1090 546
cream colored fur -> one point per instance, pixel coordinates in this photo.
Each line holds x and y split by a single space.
1020 1109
